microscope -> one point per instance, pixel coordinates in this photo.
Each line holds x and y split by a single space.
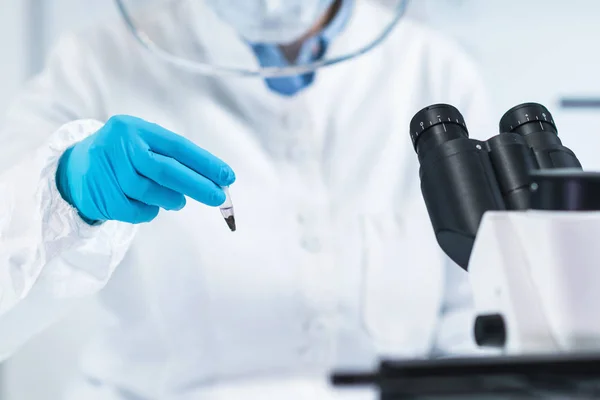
519 214
522 218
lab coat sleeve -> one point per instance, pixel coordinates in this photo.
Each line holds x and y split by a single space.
49 257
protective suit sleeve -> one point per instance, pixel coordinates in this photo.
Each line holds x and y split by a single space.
48 255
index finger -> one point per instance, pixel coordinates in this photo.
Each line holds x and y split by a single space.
170 144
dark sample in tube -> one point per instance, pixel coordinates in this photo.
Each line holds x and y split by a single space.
231 222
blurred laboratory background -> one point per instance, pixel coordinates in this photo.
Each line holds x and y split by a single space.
529 50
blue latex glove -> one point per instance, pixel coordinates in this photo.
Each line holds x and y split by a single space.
131 168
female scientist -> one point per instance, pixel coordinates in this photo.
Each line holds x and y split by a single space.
115 160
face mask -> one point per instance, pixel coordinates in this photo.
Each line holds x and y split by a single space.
270 21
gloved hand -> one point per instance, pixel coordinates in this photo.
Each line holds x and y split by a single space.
130 168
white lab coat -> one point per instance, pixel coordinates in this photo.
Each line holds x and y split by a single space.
334 262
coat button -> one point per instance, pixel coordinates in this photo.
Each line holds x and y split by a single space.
297 153
311 244
317 327
301 219
315 331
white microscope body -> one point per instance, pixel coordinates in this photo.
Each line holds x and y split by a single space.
540 270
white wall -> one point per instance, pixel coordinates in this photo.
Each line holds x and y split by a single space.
530 50
12 60
541 50
12 71
41 368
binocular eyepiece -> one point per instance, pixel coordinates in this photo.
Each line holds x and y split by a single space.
462 178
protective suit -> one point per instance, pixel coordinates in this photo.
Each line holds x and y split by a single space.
334 262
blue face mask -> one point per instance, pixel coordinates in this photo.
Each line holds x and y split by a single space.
270 21
312 49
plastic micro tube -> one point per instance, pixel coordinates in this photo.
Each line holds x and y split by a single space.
227 210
